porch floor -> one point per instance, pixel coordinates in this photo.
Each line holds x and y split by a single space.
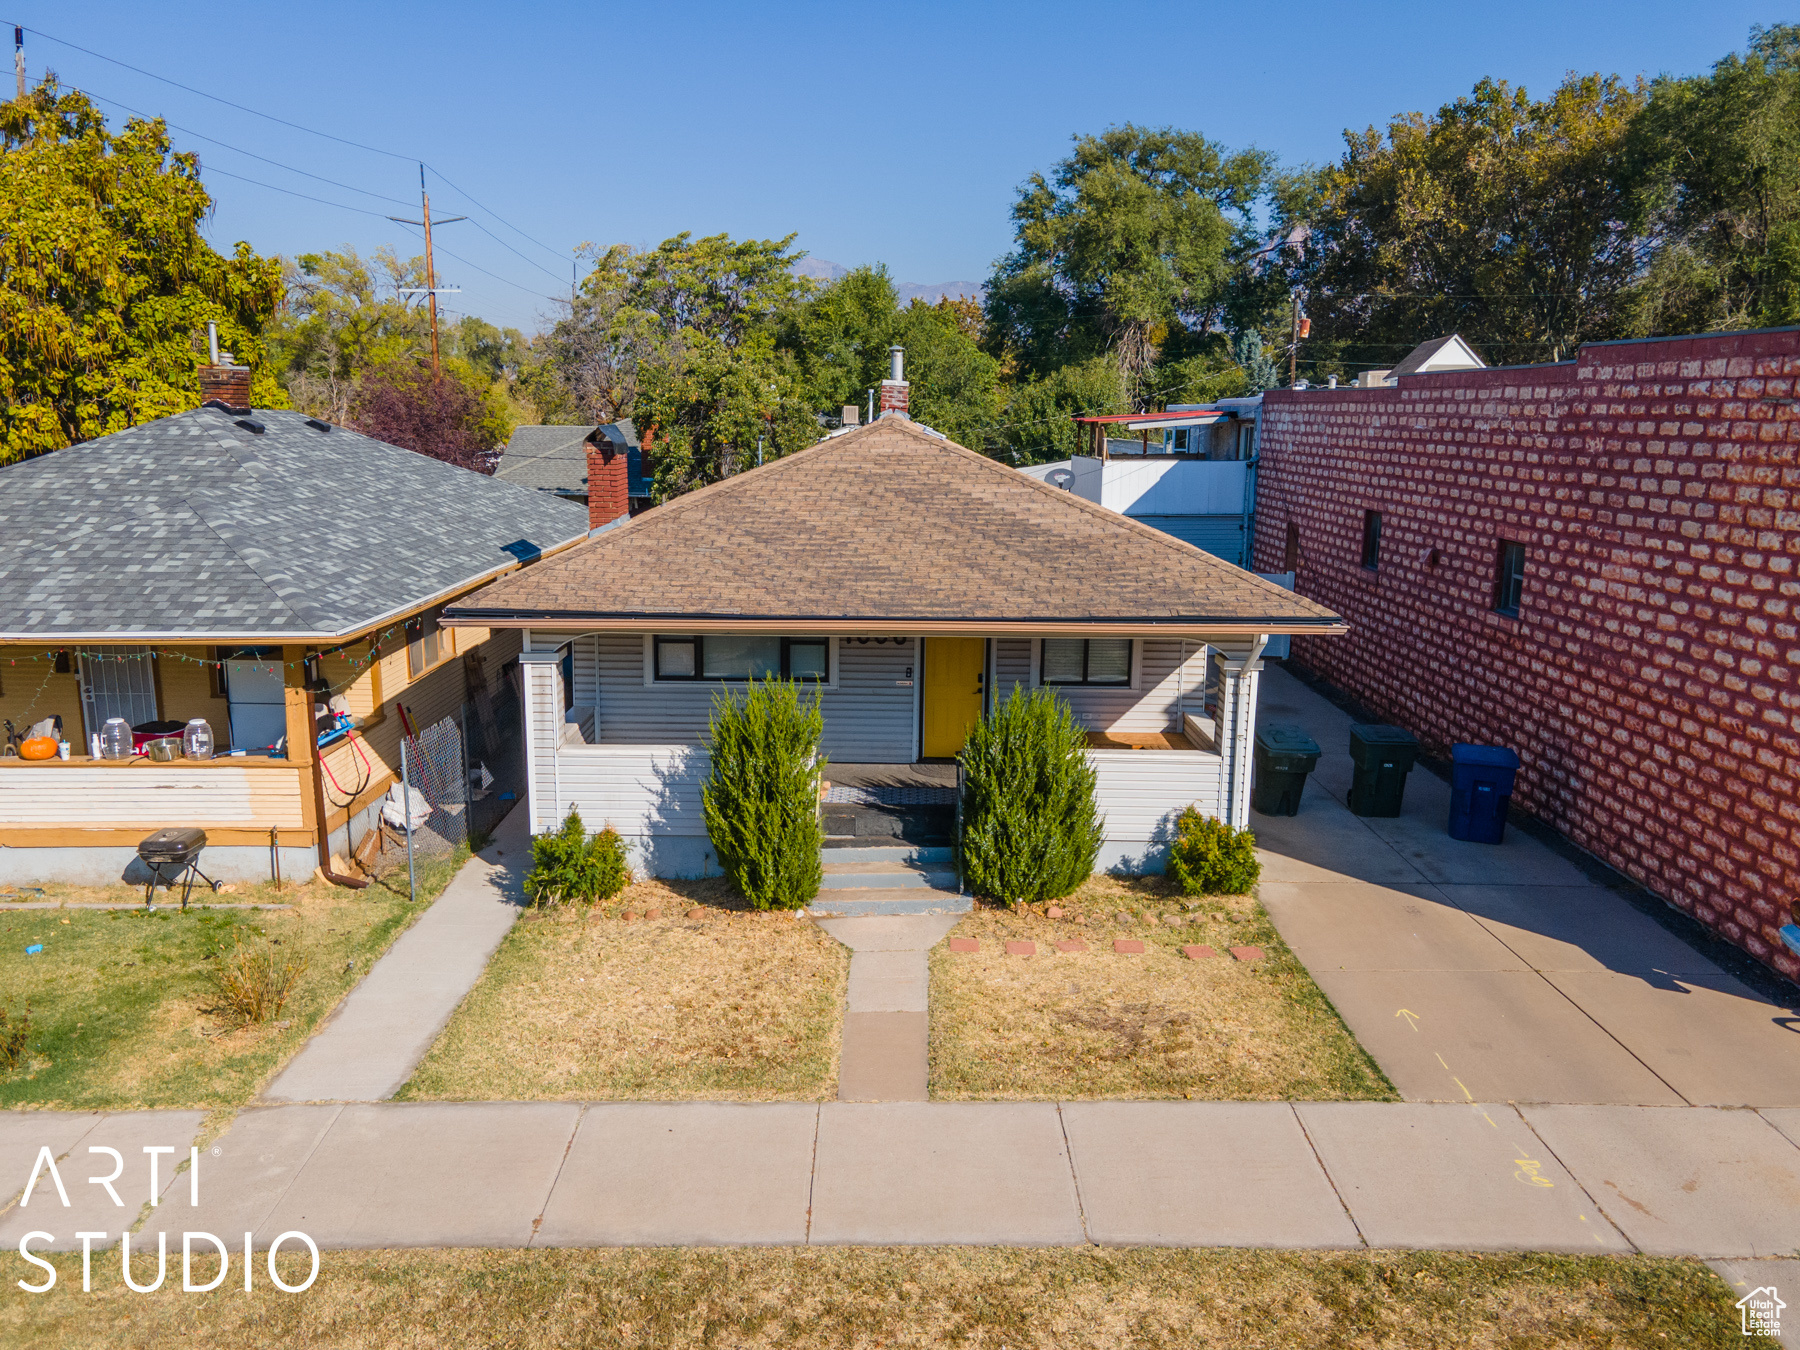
1139 740
933 774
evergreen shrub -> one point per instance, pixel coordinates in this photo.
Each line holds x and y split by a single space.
568 865
1209 857
761 799
1030 828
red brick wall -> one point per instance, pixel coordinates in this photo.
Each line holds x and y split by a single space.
609 483
1648 684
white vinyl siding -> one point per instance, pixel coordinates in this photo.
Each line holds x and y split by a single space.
868 709
1162 685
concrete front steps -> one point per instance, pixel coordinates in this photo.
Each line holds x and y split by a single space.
891 879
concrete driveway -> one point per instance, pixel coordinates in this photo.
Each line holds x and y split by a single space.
1475 972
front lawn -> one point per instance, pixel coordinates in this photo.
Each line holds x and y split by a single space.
581 1005
814 1298
1058 1025
116 995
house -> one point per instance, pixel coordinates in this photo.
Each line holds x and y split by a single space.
253 568
911 582
1445 353
558 459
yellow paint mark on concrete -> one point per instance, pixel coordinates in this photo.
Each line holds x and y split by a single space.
1459 1083
1412 1018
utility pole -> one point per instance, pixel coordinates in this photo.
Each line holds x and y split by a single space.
19 59
431 288
1293 340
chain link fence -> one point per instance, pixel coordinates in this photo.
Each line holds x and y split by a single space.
422 835
494 750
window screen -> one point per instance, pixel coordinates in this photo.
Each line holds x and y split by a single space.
807 659
118 682
677 658
740 658
1086 661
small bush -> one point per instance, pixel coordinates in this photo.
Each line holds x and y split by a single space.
1031 829
568 865
761 799
251 981
1209 857
15 1038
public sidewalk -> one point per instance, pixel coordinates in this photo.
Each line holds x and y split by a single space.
1501 973
384 1026
1720 1184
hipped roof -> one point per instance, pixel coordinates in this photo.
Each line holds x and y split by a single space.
889 526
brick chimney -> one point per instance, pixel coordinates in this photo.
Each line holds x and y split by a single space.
894 388
608 481
221 381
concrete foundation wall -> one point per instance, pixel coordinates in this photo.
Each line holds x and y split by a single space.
1648 680
110 866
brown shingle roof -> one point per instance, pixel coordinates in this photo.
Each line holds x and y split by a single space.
888 525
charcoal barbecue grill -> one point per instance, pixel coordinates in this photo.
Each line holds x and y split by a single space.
173 854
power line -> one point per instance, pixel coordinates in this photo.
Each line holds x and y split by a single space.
311 131
239 150
73 46
306 196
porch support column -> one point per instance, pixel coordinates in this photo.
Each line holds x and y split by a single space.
543 701
1239 665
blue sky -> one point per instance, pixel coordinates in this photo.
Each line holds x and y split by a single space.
879 132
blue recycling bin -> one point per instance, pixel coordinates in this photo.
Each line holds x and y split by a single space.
1481 784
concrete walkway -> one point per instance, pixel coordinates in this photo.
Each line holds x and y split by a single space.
1503 973
885 1055
1693 1181
384 1026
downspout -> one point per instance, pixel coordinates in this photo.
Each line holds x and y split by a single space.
318 777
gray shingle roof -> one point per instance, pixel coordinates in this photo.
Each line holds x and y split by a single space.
554 459
196 526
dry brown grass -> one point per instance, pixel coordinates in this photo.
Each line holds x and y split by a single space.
580 1005
1096 1024
810 1299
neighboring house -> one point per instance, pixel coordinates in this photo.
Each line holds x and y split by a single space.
248 568
912 582
1445 353
1591 563
557 460
1197 481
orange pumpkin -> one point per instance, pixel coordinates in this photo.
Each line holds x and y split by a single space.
38 747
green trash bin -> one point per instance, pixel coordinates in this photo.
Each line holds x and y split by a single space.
1383 757
1283 756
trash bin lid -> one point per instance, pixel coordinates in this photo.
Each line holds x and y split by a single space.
1495 756
1370 733
1285 739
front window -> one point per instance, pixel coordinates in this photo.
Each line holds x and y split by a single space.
720 656
424 644
1086 661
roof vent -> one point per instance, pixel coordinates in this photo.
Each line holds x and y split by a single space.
317 425
251 424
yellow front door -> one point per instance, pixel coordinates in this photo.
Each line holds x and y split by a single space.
953 674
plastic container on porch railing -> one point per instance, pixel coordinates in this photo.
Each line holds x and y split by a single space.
402 801
115 739
197 740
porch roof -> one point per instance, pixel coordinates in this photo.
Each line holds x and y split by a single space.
889 526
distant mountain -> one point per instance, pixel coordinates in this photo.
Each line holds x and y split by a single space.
822 270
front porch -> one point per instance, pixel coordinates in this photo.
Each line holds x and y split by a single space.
610 736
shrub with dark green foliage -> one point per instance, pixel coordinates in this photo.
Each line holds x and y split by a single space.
569 865
761 799
1209 857
1031 829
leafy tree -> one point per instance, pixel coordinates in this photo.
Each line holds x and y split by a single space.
1721 156
840 336
1128 243
454 417
1037 424
1509 220
343 317
498 355
106 285
954 386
